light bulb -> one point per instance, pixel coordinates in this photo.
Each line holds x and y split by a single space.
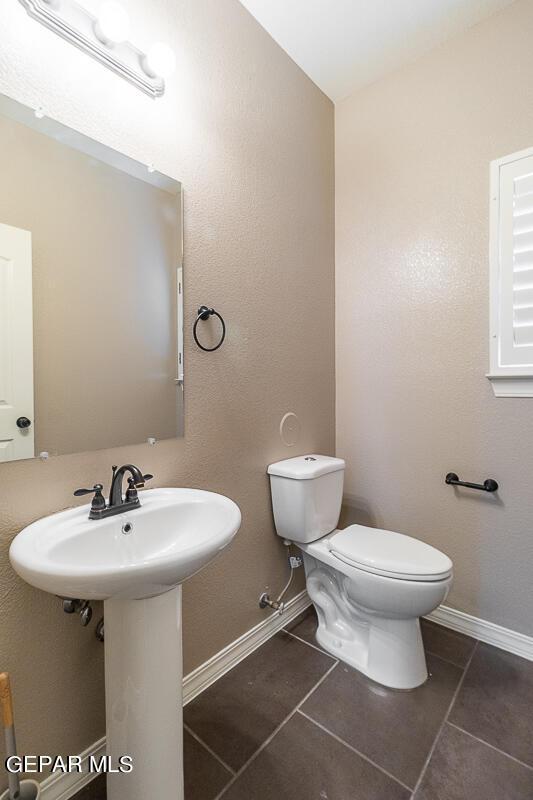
160 60
113 23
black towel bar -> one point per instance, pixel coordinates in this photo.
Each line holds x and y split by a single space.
490 485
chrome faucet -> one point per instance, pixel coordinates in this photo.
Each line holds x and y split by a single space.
117 503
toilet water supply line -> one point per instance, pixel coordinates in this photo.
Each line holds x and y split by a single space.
277 605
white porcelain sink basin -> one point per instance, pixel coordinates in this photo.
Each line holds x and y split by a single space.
173 534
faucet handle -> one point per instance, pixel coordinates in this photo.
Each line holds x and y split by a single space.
131 492
136 484
97 488
98 501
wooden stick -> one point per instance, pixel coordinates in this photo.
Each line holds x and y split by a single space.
6 700
9 729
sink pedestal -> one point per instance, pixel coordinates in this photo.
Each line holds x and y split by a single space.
143 676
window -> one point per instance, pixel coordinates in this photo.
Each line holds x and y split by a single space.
511 276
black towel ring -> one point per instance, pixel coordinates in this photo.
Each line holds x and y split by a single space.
203 314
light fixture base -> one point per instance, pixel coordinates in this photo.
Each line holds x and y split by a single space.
77 25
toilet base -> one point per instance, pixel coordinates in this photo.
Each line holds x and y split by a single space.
388 650
403 647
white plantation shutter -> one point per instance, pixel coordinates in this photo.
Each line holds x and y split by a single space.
512 275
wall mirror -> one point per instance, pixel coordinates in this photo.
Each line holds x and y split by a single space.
90 293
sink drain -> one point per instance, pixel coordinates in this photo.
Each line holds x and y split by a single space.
127 528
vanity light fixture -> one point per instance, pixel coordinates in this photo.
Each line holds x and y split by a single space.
104 37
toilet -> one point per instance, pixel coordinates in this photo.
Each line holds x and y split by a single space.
369 586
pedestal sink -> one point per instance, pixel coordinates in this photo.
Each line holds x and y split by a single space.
135 562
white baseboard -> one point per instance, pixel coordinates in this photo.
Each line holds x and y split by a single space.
63 787
504 638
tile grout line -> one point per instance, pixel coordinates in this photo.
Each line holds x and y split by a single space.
444 721
314 646
488 744
446 660
353 749
209 749
463 676
275 732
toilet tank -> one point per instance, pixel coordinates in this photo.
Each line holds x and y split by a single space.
306 496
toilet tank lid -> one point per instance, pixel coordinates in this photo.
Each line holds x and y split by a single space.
306 467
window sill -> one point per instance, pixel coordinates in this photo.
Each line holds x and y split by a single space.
512 385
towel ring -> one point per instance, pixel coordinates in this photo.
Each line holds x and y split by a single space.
203 314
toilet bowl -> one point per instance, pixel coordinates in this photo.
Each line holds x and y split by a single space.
369 586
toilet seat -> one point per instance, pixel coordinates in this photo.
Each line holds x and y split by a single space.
389 554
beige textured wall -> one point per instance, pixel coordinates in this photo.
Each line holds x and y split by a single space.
101 299
412 183
252 140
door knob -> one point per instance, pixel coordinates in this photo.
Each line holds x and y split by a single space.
23 422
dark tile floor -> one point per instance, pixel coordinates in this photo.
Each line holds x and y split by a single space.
292 723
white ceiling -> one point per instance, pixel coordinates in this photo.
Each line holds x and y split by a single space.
346 44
